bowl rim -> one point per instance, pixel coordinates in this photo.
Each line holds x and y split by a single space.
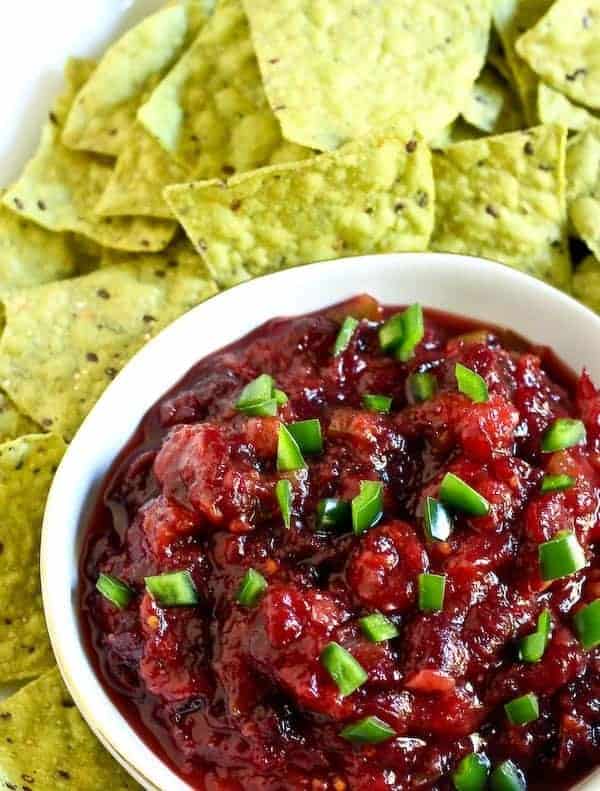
60 596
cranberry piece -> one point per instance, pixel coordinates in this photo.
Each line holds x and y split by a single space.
382 571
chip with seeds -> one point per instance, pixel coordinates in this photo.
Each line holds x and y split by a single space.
59 188
555 108
45 743
140 175
64 342
30 255
27 466
563 48
503 198
583 185
337 69
492 106
373 196
511 18
106 105
586 283
210 112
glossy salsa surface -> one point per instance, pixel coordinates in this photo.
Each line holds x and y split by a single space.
236 697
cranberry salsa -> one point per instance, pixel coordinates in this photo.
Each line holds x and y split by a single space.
357 550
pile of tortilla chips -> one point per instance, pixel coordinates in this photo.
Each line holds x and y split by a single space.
223 139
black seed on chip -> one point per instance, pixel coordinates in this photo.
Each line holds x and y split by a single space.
103 293
422 199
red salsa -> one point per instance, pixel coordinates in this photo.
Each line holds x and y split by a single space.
357 551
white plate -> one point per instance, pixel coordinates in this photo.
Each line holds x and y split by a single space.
472 287
36 37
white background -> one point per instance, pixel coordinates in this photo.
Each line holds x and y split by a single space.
36 36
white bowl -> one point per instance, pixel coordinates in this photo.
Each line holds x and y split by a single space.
468 286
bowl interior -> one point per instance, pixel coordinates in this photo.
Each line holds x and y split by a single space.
471 287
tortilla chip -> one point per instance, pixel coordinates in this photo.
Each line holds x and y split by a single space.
27 466
586 283
64 342
337 69
503 198
180 255
563 48
13 423
492 106
583 185
511 18
60 188
373 196
106 105
30 255
555 108
46 745
142 172
211 113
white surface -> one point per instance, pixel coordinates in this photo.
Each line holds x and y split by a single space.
472 287
36 37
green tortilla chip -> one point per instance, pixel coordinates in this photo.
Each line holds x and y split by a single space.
583 185
180 255
492 106
64 342
373 196
555 108
59 188
14 423
211 113
337 69
45 745
142 172
511 18
563 48
30 255
27 466
106 105
503 198
586 283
